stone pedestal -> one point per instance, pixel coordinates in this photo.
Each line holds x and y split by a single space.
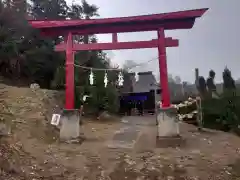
167 122
168 129
70 128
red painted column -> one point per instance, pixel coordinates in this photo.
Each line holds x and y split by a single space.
114 38
69 101
163 69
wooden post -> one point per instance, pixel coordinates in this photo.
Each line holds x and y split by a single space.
199 113
196 77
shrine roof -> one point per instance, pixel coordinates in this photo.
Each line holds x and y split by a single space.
172 20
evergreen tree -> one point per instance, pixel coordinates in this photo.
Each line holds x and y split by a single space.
28 57
210 81
202 87
228 81
49 9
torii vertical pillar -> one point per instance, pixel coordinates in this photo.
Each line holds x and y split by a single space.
70 118
166 115
69 100
163 68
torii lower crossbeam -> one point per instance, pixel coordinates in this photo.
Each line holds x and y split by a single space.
118 45
161 43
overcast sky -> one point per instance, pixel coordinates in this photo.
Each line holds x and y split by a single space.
214 41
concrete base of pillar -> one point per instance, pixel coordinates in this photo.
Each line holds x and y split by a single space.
168 134
167 122
165 142
70 128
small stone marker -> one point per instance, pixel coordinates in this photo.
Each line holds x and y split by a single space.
55 119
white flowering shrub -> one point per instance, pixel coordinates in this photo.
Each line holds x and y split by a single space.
186 110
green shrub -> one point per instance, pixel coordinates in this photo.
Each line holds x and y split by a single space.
222 113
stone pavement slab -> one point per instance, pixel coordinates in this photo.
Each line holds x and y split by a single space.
127 136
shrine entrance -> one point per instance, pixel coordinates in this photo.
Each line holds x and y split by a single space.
166 117
155 22
137 103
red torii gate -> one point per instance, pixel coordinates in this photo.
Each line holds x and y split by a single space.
155 22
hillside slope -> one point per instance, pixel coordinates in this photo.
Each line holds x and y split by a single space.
24 113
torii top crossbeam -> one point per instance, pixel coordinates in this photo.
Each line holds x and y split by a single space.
169 21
